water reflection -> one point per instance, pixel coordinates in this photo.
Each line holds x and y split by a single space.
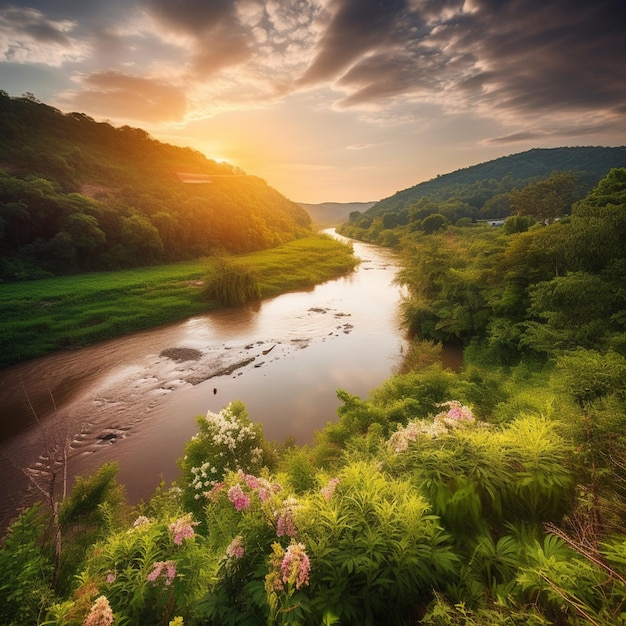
284 358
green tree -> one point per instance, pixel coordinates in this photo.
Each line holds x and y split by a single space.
547 199
141 238
598 225
571 311
85 232
434 222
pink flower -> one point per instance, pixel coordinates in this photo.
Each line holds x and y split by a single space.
285 518
170 572
158 568
110 578
182 529
156 572
329 490
236 549
252 481
285 526
212 495
457 411
240 499
100 613
296 566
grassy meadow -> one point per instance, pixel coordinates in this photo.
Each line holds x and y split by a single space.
40 316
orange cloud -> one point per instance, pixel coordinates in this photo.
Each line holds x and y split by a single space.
120 96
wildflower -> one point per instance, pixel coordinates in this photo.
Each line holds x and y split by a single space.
457 416
110 577
252 481
212 495
295 566
170 572
236 549
273 579
329 490
156 572
142 520
456 413
177 621
285 522
182 529
240 499
100 613
165 568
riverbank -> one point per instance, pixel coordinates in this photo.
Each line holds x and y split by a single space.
134 399
39 317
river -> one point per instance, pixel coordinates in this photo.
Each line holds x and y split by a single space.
133 399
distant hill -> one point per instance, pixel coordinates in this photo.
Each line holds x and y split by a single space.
328 214
479 183
77 195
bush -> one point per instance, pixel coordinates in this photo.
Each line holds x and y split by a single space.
231 284
25 587
227 441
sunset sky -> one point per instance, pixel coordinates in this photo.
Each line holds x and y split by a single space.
331 100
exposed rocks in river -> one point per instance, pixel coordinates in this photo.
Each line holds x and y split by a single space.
181 354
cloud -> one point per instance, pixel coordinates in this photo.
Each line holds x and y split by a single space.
28 36
357 27
520 62
510 58
549 56
120 96
220 38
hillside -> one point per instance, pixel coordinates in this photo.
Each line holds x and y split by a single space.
479 183
327 214
76 195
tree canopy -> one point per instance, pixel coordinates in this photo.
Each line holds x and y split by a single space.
80 195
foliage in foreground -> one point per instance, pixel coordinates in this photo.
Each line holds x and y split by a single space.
494 495
440 518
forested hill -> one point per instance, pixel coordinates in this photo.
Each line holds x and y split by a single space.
327 214
76 195
478 184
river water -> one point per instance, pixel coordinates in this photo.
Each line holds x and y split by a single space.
134 400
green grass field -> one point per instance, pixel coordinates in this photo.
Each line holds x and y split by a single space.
38 317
